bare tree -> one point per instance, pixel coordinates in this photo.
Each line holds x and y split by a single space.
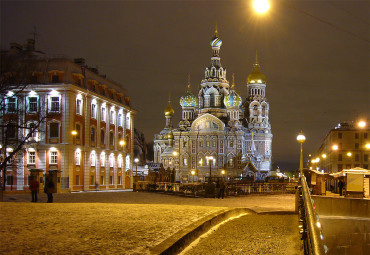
17 131
140 149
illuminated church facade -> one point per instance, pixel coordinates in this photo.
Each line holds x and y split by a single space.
219 132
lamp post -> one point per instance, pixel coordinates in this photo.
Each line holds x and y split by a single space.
193 173
301 139
223 174
209 158
136 161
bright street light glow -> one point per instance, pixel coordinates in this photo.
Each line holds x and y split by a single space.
136 160
367 146
323 155
261 6
74 132
335 147
175 153
349 154
362 124
301 138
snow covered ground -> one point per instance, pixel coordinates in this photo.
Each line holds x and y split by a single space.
109 222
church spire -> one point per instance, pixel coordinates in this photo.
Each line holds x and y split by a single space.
189 85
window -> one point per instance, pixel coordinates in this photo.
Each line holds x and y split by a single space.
120 119
230 163
102 159
357 135
92 158
119 161
340 167
103 117
93 111
102 136
348 166
119 180
53 157
92 180
185 162
366 166
77 180
78 158
111 160
231 144
111 117
366 157
111 138
32 104
339 157
356 146
31 128
339 135
200 143
54 130
78 129
92 134
79 106
111 180
207 143
357 157
11 131
365 135
55 104
214 143
31 158
101 180
55 79
201 162
12 105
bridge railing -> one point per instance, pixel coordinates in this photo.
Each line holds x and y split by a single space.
309 222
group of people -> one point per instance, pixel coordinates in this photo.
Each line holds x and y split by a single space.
49 188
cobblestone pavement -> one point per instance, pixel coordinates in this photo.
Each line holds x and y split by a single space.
252 234
258 203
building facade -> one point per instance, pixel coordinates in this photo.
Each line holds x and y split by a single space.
84 124
217 130
345 147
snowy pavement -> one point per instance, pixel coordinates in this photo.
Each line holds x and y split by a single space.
110 222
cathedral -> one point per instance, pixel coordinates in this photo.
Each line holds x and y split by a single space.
219 134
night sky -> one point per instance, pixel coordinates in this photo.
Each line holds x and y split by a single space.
315 55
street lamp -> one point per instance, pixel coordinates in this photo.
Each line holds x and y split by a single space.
223 174
335 147
362 124
301 139
122 143
261 6
209 158
136 161
193 173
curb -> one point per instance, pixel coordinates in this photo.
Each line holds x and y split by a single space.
184 237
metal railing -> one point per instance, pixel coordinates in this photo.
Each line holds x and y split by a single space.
310 226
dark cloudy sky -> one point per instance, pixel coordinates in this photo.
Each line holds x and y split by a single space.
315 55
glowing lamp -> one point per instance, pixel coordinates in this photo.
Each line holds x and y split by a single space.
301 138
74 132
192 172
122 142
323 155
367 146
175 153
136 160
349 154
261 6
335 147
362 124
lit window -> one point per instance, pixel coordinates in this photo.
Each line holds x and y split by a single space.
78 129
111 117
53 157
119 161
201 162
31 131
79 106
207 144
230 162
54 104
78 158
54 130
185 161
111 160
102 159
92 158
120 119
32 104
31 157
93 111
103 117
214 143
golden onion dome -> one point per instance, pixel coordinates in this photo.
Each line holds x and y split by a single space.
256 76
169 111
170 135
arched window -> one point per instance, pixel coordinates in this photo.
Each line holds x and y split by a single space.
212 100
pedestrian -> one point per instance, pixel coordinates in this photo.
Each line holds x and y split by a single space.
221 192
340 186
49 188
217 188
34 187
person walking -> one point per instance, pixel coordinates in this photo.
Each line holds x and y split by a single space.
221 192
49 188
340 186
34 187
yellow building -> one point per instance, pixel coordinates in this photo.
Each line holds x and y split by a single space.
346 146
